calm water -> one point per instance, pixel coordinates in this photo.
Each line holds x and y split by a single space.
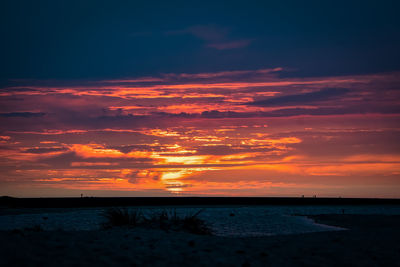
225 221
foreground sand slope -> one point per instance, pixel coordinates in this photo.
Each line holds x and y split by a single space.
373 240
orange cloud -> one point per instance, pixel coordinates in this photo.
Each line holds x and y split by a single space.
98 151
197 134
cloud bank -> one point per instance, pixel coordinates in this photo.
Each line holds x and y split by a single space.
240 132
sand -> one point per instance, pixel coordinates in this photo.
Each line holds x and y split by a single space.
372 240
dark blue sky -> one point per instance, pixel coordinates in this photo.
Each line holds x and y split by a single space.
110 39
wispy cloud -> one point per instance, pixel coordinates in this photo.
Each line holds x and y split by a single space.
214 36
300 99
230 44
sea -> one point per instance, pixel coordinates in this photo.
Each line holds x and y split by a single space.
229 221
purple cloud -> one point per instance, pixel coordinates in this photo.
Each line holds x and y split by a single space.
214 36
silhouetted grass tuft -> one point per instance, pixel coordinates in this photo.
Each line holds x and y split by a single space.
193 224
166 220
121 217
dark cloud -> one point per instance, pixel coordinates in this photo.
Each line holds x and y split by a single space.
65 160
230 44
214 36
23 114
128 148
299 99
339 109
341 142
210 33
223 150
42 150
136 175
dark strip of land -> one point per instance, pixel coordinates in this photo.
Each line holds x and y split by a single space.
372 240
11 202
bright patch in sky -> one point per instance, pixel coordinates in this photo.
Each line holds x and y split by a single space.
260 135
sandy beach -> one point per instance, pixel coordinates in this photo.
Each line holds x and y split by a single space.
371 240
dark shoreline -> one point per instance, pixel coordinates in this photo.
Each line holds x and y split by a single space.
371 240
11 202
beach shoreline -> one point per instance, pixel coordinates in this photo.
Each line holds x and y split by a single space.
370 240
82 202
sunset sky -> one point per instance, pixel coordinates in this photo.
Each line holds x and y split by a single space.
254 98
